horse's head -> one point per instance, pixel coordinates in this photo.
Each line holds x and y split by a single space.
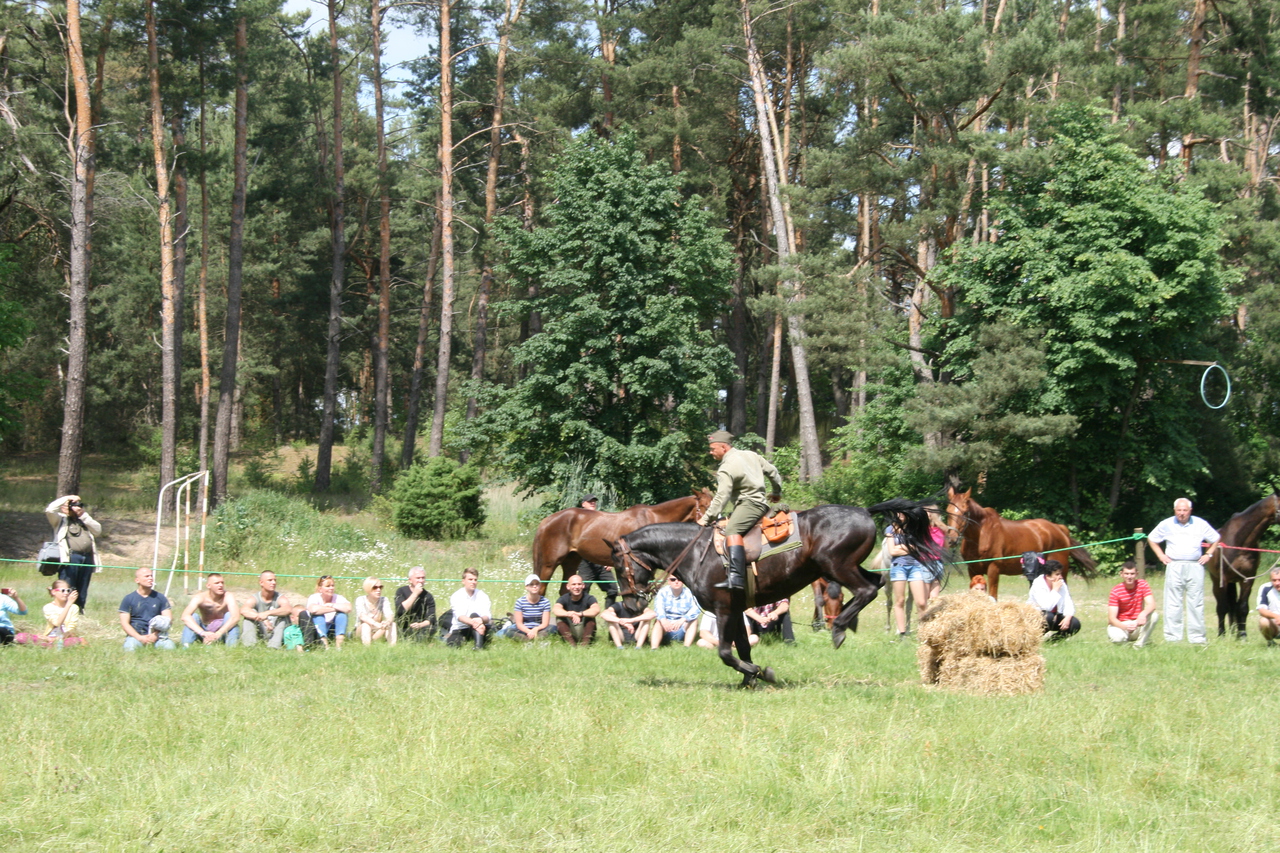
957 514
635 574
701 502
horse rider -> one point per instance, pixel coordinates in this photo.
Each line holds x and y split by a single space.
740 480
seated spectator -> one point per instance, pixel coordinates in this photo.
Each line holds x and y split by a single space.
472 613
266 615
211 615
576 613
1049 595
375 618
677 615
627 625
1269 608
145 615
532 613
61 616
978 583
416 608
772 620
1131 608
709 631
328 611
10 602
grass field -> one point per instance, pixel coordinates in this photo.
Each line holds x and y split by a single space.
542 747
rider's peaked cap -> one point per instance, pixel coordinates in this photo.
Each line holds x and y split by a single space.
720 436
589 499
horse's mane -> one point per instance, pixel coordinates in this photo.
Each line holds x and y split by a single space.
915 529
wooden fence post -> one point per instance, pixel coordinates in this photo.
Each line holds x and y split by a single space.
1140 553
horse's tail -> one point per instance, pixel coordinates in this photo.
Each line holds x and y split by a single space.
537 551
1088 565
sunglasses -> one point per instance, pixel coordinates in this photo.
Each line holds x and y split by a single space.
377 586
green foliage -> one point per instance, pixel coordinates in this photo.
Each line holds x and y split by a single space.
438 499
264 521
15 384
1118 267
629 276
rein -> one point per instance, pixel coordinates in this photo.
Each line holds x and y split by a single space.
624 548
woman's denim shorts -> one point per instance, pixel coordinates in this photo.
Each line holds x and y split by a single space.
912 571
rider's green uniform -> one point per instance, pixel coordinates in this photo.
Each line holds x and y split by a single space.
741 480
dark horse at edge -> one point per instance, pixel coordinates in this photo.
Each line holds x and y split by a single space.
568 537
1233 571
836 541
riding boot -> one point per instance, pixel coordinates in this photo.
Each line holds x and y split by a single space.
737 569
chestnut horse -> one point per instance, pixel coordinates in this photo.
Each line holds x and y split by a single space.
572 535
985 536
836 541
1233 570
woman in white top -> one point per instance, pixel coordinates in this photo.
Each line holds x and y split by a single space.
328 611
374 616
1049 595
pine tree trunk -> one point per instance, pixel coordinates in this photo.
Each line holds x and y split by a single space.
82 159
382 387
222 439
784 234
202 303
436 444
168 288
414 405
337 237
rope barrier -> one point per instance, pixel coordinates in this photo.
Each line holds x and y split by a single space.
1132 537
1242 548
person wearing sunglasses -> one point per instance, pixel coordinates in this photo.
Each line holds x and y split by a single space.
374 614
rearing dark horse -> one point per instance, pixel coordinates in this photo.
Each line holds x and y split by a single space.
836 541
1233 570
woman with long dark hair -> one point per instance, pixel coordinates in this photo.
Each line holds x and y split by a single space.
913 553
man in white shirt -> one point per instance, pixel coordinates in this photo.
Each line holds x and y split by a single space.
472 613
1269 608
1184 557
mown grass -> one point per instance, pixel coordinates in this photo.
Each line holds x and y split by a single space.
550 748
544 747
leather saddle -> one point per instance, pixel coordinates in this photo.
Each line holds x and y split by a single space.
772 529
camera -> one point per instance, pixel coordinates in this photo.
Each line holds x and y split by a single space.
79 504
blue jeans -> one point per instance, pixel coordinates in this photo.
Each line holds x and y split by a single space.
327 622
188 636
77 572
132 645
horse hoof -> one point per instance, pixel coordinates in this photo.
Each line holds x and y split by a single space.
837 637
768 675
818 625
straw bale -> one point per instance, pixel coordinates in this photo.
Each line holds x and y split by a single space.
1007 629
946 614
929 660
986 676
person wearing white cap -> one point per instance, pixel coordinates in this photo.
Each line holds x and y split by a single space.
531 613
740 480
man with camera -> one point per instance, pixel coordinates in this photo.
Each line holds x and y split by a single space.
74 531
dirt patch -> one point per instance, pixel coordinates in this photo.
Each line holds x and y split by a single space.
125 540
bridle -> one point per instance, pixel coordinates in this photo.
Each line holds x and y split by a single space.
629 556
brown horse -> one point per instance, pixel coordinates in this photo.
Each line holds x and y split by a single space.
985 536
836 541
572 535
1232 570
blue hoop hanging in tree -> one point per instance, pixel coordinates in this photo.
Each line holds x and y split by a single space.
1205 378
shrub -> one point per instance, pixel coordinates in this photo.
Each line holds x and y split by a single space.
438 499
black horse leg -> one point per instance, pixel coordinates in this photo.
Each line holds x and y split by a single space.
733 632
863 595
1224 595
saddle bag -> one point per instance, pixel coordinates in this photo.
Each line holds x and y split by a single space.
777 527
